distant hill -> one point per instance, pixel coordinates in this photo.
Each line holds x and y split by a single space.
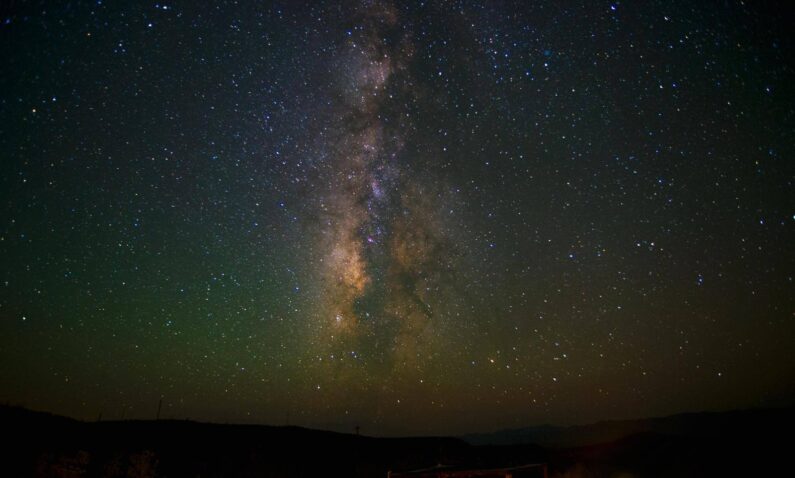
51 445
704 425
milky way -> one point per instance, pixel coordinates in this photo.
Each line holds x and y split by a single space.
386 252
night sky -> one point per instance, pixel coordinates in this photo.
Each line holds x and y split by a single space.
415 217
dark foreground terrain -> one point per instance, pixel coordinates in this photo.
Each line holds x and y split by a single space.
745 443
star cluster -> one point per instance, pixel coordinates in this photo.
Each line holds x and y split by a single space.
413 217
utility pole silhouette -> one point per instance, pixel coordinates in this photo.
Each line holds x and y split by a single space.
159 406
357 430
